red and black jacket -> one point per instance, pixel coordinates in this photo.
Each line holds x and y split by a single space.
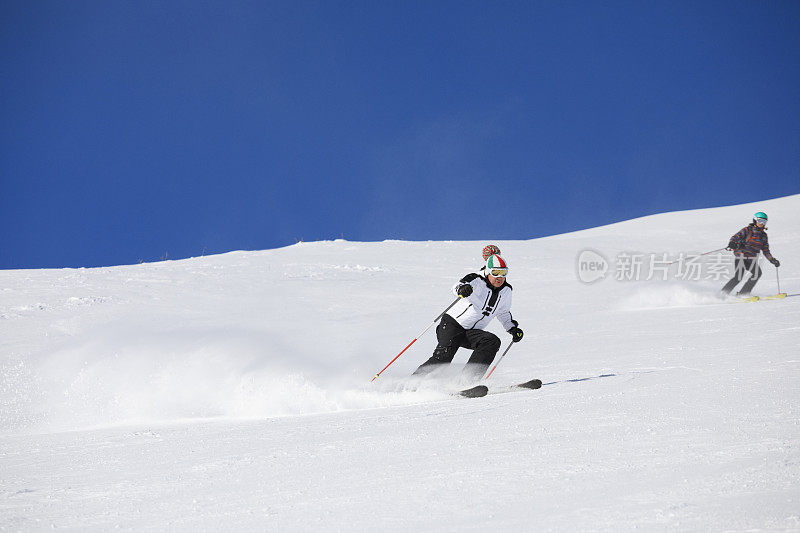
750 240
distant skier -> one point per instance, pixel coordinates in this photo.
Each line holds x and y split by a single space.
489 296
745 245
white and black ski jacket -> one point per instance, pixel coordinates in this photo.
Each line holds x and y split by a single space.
485 303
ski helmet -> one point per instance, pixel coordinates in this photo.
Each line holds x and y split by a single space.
760 214
490 250
496 266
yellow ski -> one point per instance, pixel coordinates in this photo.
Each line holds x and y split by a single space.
780 295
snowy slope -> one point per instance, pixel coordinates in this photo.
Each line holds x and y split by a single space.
233 392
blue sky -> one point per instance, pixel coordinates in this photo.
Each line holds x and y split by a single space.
131 130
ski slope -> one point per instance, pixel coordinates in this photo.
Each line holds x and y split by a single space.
233 392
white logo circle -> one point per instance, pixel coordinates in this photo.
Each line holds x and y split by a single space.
591 266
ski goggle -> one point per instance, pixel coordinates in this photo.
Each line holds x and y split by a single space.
762 221
499 272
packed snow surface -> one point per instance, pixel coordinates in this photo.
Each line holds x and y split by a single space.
233 392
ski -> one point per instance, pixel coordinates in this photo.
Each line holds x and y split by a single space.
532 384
479 391
529 385
780 295
475 392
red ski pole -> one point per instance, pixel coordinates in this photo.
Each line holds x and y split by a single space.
498 361
417 337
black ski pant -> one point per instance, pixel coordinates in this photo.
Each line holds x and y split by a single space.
743 265
451 337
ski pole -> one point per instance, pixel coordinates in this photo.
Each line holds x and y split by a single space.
711 252
417 337
498 361
778 278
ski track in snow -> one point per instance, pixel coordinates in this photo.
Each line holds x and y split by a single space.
233 392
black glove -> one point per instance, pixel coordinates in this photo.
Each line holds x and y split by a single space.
733 246
775 262
464 290
516 334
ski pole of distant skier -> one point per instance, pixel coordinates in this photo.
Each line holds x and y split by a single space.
498 361
417 337
706 253
778 278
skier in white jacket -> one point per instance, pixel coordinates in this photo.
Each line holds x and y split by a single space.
489 297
